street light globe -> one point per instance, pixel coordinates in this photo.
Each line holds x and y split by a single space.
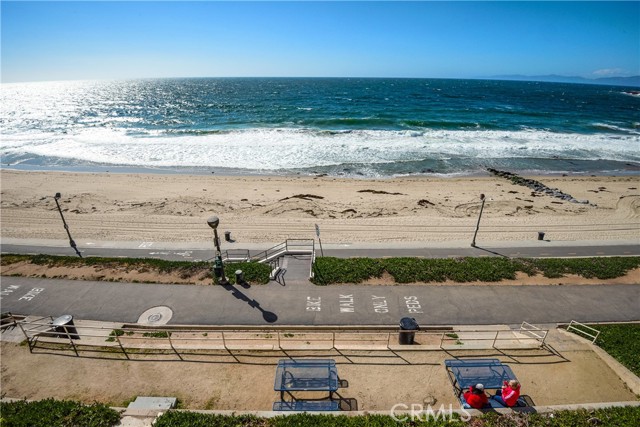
213 222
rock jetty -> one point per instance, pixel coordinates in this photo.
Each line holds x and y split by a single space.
537 186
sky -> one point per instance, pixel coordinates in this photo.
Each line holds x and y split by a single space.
118 40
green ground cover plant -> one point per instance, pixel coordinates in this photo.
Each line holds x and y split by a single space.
113 334
331 270
254 272
346 270
601 268
622 342
619 417
65 413
157 334
56 413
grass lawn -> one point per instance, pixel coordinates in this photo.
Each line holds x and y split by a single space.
621 341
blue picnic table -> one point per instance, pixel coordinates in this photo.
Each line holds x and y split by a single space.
306 375
465 373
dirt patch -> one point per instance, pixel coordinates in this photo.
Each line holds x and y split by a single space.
386 279
109 274
377 380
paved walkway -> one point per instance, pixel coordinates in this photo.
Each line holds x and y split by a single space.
299 302
197 251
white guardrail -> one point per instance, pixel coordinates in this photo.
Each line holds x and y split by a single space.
584 330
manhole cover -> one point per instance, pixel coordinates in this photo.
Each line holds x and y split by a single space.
159 315
154 318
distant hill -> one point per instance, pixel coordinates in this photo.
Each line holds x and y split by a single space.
612 81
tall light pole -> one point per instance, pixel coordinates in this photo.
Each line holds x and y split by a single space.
473 243
218 266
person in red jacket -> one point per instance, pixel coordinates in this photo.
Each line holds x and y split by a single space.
475 397
509 394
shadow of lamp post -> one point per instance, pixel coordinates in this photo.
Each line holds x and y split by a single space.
72 243
473 243
218 266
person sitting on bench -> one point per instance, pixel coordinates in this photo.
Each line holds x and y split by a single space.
475 397
509 394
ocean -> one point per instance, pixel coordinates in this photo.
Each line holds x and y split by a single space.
350 127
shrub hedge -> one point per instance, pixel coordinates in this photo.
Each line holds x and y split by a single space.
331 270
601 268
253 272
346 270
56 413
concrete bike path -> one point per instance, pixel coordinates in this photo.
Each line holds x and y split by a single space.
198 251
297 303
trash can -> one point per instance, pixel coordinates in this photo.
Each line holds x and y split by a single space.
239 277
65 328
407 324
540 235
227 236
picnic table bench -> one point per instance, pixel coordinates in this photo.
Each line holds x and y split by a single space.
464 373
489 372
306 375
307 405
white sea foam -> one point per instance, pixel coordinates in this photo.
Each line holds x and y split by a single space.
288 148
617 128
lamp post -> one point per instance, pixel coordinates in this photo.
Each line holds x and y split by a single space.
218 266
473 243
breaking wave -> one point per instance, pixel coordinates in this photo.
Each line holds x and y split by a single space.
290 148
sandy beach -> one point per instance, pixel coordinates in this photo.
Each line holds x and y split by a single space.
174 208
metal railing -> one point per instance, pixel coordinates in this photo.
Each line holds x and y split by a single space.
533 331
236 255
129 338
8 320
43 327
313 260
288 247
273 254
584 330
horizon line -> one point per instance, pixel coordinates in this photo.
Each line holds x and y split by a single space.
505 77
